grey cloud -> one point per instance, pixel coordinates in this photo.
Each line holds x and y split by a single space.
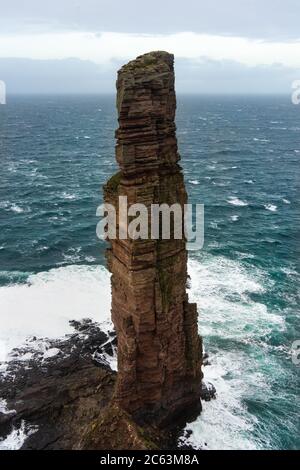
55 76
270 19
203 76
229 77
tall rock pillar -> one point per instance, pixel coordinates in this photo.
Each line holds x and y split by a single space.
159 349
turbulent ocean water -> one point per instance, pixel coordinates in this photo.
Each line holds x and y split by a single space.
240 157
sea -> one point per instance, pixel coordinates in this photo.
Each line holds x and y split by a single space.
240 158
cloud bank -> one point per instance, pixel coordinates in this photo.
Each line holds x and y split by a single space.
237 46
204 76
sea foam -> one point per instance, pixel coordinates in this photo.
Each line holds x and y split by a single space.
235 201
228 314
44 305
17 437
270 207
221 287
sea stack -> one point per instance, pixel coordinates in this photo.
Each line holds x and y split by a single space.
159 349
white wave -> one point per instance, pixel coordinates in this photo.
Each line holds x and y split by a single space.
249 181
13 168
33 347
270 207
44 306
222 289
87 137
4 409
90 259
42 248
4 204
234 218
222 185
224 422
242 255
73 255
16 208
214 225
286 201
261 140
194 182
66 195
17 437
235 201
106 358
289 271
214 244
13 207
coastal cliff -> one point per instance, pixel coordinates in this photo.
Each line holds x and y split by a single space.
159 349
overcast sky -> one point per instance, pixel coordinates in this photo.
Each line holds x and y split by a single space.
220 45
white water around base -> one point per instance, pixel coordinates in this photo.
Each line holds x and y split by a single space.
44 306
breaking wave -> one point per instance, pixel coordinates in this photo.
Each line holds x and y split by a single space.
229 320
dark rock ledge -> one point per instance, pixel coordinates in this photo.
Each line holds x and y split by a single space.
67 398
60 394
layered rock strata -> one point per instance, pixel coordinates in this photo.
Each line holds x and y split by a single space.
159 349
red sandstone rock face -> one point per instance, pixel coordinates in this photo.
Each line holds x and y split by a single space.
159 350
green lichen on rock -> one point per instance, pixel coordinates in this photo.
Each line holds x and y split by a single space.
116 430
146 61
113 183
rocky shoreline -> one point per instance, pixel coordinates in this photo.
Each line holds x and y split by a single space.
58 396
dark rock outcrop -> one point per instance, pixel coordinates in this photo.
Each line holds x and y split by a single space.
64 402
58 396
208 391
159 349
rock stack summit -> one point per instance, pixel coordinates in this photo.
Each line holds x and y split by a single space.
159 349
